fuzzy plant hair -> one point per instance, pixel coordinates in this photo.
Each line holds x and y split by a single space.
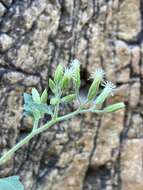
65 88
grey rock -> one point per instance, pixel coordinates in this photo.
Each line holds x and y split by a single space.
5 42
2 9
88 152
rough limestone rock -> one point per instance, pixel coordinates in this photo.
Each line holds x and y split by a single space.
88 152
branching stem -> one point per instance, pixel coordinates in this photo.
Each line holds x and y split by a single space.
35 125
39 130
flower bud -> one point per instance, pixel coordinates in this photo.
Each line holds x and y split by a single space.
114 107
98 77
58 73
66 79
54 101
107 91
75 66
68 98
52 85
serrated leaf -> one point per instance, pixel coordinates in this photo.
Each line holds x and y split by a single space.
68 98
44 97
52 85
27 97
36 95
11 183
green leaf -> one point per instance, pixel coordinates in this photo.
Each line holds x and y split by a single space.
58 73
52 85
27 97
44 97
42 108
54 101
27 114
36 95
68 98
11 183
37 114
27 108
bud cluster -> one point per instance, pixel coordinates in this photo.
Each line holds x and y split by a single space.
36 105
62 82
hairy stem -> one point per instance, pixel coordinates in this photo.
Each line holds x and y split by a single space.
56 111
36 122
37 131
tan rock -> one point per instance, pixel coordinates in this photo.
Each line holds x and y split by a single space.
13 77
101 34
131 165
129 19
123 54
134 96
136 56
136 129
123 76
33 12
108 139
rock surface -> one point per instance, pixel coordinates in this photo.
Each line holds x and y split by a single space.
88 152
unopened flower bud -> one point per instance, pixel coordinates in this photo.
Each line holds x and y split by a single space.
75 66
68 98
114 107
66 78
97 79
52 85
54 101
58 73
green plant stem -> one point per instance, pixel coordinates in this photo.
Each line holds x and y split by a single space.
58 104
78 96
37 131
10 153
56 111
36 122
